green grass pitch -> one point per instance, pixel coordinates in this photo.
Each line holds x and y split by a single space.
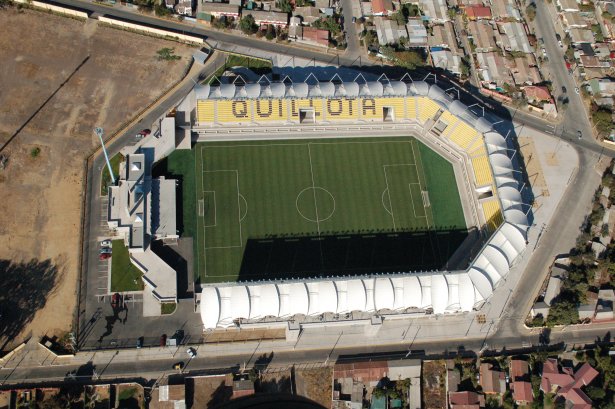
247 195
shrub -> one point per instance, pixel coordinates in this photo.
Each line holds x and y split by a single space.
34 152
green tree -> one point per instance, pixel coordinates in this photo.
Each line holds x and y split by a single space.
378 393
285 5
407 59
530 11
161 10
167 54
34 152
247 25
563 312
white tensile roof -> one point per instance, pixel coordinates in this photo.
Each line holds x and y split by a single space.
444 292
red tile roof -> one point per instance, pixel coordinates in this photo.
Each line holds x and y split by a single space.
585 375
382 6
492 381
316 35
518 369
567 386
465 400
537 93
522 392
478 12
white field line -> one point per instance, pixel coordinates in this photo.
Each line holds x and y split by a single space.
314 189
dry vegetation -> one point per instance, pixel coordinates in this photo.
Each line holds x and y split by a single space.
315 384
434 379
42 192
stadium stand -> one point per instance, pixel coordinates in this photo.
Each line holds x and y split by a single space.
270 110
237 111
339 109
493 214
475 153
463 135
482 172
427 108
476 146
206 111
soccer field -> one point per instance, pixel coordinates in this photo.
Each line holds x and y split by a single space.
284 209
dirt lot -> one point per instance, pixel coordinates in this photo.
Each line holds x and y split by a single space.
315 384
41 192
434 384
210 391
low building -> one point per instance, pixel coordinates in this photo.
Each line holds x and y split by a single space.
524 70
535 93
315 36
417 33
446 60
519 370
478 13
308 14
220 9
573 19
587 311
567 384
522 392
435 11
184 7
483 36
540 308
553 288
466 400
388 31
242 387
170 4
170 397
582 35
493 70
567 5
515 38
603 86
491 380
382 7
444 36
604 309
505 10
273 18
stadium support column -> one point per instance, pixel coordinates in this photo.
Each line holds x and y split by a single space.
99 132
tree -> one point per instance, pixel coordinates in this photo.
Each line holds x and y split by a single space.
34 152
378 393
530 11
399 18
285 5
407 59
270 34
248 25
562 312
161 10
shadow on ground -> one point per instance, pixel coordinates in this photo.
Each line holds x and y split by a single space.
24 289
352 253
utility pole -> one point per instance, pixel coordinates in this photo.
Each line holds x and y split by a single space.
99 132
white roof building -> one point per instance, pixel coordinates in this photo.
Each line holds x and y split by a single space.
515 38
388 31
447 61
435 11
417 33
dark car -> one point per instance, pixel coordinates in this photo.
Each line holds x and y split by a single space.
564 90
579 134
163 340
116 299
104 256
139 342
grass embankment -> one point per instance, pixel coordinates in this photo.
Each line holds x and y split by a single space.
124 275
106 177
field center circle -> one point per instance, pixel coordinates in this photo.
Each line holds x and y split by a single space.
315 204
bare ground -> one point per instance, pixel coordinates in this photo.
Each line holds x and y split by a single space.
315 384
41 196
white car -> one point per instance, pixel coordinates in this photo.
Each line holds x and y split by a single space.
576 90
105 243
191 353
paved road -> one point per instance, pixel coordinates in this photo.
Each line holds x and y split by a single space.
354 49
574 115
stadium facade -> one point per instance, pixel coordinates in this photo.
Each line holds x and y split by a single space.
445 122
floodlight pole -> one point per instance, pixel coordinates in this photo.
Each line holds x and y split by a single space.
99 132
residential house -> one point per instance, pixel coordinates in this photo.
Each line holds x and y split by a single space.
540 308
492 68
567 5
537 94
524 70
274 18
382 7
587 311
515 38
308 14
553 287
417 33
446 60
593 62
607 25
242 387
349 381
567 384
466 400
573 19
170 4
505 10
604 309
491 380
444 36
323 4
478 13
315 36
295 29
582 35
169 397
521 385
220 9
483 36
184 7
388 31
436 11
410 369
604 87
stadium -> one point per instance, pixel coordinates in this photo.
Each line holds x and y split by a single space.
356 160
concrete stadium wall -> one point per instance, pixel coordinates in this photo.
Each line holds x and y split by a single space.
55 9
155 31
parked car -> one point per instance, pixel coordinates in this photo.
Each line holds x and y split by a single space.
104 256
106 250
116 299
143 133
105 243
564 90
579 134
191 352
576 90
354 19
163 340
139 342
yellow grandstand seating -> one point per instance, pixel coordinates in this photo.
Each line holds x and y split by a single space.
234 111
482 171
463 135
338 109
205 111
493 214
475 148
451 121
427 108
373 108
270 110
481 151
411 108
297 104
